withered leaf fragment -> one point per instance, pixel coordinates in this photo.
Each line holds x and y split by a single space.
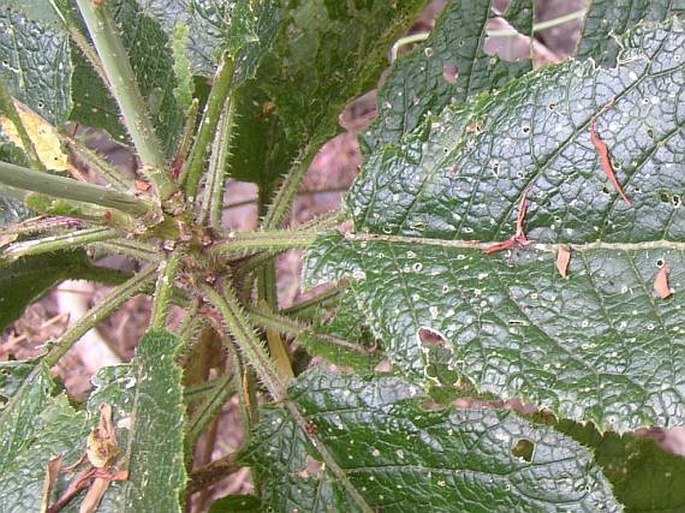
661 283
563 259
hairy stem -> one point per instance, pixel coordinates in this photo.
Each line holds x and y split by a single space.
205 476
99 312
324 301
251 347
67 188
207 411
283 200
268 320
218 95
98 164
58 242
124 87
253 351
80 41
168 269
132 248
212 199
272 241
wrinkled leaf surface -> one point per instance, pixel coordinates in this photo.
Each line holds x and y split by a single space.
600 345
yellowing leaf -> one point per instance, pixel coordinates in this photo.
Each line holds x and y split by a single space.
102 448
42 134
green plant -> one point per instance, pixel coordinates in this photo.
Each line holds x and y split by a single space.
451 167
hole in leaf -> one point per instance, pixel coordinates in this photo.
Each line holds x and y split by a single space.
660 263
450 73
650 133
431 338
675 199
312 468
523 449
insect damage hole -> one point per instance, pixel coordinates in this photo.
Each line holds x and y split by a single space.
523 449
431 338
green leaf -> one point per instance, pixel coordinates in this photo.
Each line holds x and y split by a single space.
214 27
94 105
607 19
24 280
645 478
148 394
237 504
146 398
449 67
35 427
514 326
325 53
37 10
149 51
12 208
342 340
12 375
35 64
403 457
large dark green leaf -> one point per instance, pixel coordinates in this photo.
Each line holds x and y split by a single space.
601 345
451 66
26 279
35 63
645 478
34 427
147 403
325 53
214 26
402 457
148 395
606 19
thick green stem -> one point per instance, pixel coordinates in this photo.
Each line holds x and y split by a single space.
99 312
271 241
133 248
62 241
124 87
212 199
67 188
218 95
168 269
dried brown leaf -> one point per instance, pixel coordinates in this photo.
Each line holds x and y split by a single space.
563 259
661 283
